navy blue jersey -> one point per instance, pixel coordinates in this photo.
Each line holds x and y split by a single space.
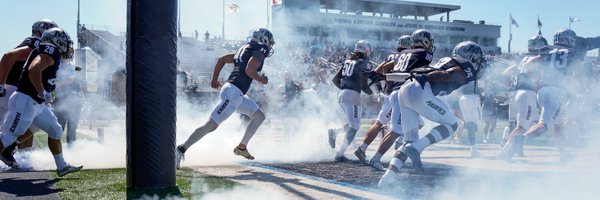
351 72
409 60
48 75
238 76
559 63
15 72
388 84
391 57
444 88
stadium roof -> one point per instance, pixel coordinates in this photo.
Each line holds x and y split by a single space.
396 7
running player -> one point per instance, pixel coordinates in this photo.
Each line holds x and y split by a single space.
29 104
385 113
523 109
351 80
10 72
418 97
419 55
555 70
248 62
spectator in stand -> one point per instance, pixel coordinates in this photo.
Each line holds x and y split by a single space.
206 36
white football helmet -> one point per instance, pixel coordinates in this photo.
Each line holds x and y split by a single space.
471 52
60 39
40 26
536 43
363 46
422 38
404 42
565 37
265 37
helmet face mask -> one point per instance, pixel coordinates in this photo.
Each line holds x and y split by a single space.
38 27
363 46
265 37
565 37
422 38
471 52
60 39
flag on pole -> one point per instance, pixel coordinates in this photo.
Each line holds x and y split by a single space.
513 21
233 8
574 19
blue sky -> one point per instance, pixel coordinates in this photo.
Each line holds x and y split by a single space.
18 15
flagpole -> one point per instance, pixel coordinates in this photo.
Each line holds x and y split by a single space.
570 22
223 25
268 23
509 33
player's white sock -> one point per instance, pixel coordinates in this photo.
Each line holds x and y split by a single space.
59 160
397 162
364 146
376 157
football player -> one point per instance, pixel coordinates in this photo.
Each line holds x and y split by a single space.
351 80
29 104
385 113
418 97
10 72
555 70
419 55
248 62
523 109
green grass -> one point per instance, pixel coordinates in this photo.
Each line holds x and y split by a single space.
111 184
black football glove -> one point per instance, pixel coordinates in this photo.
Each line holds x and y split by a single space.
420 78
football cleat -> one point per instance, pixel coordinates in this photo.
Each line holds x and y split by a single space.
9 160
376 165
331 134
340 158
67 170
179 156
361 156
414 155
388 180
243 152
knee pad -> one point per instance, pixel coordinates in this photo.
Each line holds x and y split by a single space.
471 126
56 133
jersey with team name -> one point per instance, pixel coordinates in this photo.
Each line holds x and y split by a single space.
48 74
